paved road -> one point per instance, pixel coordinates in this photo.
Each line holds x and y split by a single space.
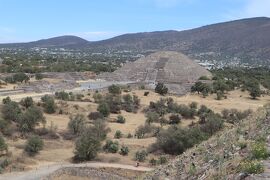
46 170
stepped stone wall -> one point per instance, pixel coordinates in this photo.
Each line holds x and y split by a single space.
172 68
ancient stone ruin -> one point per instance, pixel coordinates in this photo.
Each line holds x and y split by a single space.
174 69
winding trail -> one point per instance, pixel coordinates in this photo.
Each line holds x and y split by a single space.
43 171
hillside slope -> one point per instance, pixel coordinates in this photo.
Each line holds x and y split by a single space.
221 156
247 39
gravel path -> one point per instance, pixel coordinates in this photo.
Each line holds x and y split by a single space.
43 171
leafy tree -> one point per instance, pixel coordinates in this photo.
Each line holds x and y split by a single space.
31 118
121 119
124 150
200 87
118 134
100 129
27 102
97 97
76 123
48 104
213 124
62 95
111 146
141 155
255 92
38 76
11 111
152 117
104 109
87 145
20 77
176 140
114 89
6 100
33 145
161 89
95 116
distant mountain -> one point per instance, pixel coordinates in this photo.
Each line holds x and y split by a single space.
245 40
61 41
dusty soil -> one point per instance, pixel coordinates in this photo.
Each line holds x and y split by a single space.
56 151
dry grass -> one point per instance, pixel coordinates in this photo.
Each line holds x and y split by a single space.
62 150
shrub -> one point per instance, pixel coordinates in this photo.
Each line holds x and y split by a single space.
193 105
114 89
11 111
176 140
76 123
146 93
111 146
130 103
141 155
5 127
259 151
152 117
27 102
146 129
97 97
251 167
62 95
33 145
38 76
120 119
6 100
104 109
48 104
213 124
129 135
95 116
87 145
118 134
31 118
162 160
161 89
153 162
174 119
124 150
100 129
3 145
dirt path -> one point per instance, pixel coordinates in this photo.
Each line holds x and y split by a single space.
43 171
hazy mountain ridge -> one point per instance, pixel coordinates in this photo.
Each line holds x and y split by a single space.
245 40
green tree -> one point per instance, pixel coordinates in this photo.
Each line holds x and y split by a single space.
104 109
48 104
31 118
255 92
27 102
38 76
33 145
161 89
6 100
87 145
11 111
114 89
76 123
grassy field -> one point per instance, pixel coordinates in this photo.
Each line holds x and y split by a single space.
61 150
